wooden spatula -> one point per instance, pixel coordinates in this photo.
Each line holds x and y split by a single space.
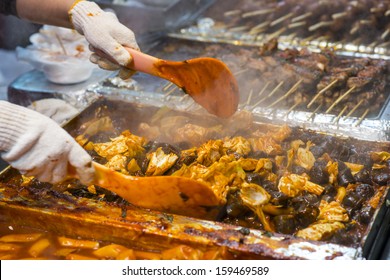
170 194
207 80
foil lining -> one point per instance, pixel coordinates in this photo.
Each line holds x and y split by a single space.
364 129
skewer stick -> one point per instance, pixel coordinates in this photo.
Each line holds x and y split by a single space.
354 109
314 112
319 25
354 29
248 101
339 99
184 97
339 15
269 95
365 22
239 28
383 45
385 34
340 114
296 24
170 92
301 17
307 39
376 10
263 89
167 86
292 108
258 13
232 13
277 33
291 90
281 19
260 27
239 72
321 92
362 117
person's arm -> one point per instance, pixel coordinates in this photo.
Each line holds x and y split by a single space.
37 146
101 29
52 12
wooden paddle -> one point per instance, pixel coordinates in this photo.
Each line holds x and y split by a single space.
170 194
207 80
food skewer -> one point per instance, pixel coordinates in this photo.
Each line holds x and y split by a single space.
259 28
277 33
321 92
258 13
239 72
270 94
292 108
339 99
319 25
340 114
263 89
339 15
296 24
314 112
239 28
248 101
183 97
385 34
281 19
170 91
354 109
289 92
362 117
301 17
232 13
167 86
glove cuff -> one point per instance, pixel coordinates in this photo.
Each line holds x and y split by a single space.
14 122
82 12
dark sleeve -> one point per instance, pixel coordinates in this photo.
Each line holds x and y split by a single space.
8 7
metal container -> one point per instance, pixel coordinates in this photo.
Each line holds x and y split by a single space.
64 214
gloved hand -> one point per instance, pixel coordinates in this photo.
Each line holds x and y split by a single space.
56 109
105 33
36 146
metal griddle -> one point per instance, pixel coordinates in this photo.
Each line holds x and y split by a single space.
155 231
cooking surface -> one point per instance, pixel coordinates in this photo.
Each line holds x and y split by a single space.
350 109
236 215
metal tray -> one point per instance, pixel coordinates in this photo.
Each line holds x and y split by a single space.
155 231
351 28
375 127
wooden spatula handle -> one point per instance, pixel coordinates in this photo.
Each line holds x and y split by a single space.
143 62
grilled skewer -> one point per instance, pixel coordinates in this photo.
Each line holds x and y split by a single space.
339 99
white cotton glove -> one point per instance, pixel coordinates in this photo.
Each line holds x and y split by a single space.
56 109
105 33
37 146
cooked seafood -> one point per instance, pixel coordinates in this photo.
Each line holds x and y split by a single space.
282 180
